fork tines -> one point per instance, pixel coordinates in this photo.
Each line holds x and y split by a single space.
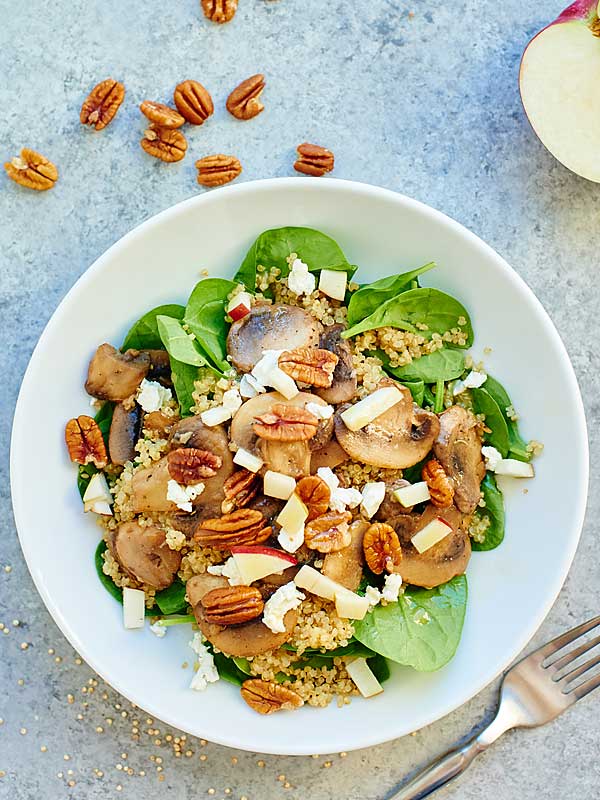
557 666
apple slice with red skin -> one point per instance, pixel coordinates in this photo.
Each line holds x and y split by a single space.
256 562
559 82
239 306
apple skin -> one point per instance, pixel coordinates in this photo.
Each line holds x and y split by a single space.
580 9
239 312
264 551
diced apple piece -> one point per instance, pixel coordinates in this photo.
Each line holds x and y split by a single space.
283 383
409 496
257 562
360 672
350 605
239 306
134 607
97 489
313 581
371 407
243 458
293 515
276 484
332 282
215 416
99 507
431 534
514 468
372 497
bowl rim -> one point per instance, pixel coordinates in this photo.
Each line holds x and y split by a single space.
370 737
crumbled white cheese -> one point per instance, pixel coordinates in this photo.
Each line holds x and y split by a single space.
328 475
291 541
268 373
372 497
320 411
232 400
374 596
229 570
300 280
458 388
285 599
492 457
152 396
182 496
158 630
250 386
475 379
207 671
391 587
344 498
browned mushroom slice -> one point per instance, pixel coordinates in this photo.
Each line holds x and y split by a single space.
144 554
240 641
269 585
332 455
346 566
343 386
458 449
160 366
399 438
391 507
125 429
116 376
444 560
149 489
289 458
270 327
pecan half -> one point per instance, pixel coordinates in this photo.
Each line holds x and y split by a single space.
239 489
85 442
32 170
266 697
244 100
232 605
310 365
188 465
161 115
217 170
440 486
102 103
313 159
315 494
219 11
164 143
381 547
285 423
329 532
193 102
244 526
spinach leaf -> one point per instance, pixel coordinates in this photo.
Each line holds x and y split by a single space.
379 667
183 376
445 364
370 296
516 444
272 248
422 629
108 583
484 403
242 664
428 397
413 474
85 471
172 599
205 317
417 389
228 669
144 335
179 344
494 511
353 648
430 307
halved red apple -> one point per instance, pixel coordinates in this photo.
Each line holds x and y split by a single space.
256 562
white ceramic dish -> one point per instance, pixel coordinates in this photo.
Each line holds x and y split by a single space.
511 588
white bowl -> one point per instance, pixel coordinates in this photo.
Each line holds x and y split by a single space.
511 588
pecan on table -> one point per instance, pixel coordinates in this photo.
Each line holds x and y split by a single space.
217 170
244 100
315 494
85 442
329 532
244 526
102 103
193 102
188 465
266 697
440 486
166 144
32 170
239 489
219 11
313 159
310 365
161 115
381 548
285 423
232 605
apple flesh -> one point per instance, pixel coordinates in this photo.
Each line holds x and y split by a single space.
559 83
257 562
239 306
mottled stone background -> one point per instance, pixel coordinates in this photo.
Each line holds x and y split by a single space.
426 103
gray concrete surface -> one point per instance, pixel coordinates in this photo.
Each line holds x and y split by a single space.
425 104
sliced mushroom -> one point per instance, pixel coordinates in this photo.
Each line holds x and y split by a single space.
149 489
343 386
289 458
240 641
332 455
458 449
116 376
399 438
160 366
270 327
444 560
390 506
269 585
144 554
346 566
125 429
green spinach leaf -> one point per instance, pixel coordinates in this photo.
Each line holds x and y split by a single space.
108 583
172 599
417 389
205 317
516 444
379 667
484 403
184 376
430 307
413 474
445 364
144 335
422 629
179 344
228 669
494 511
370 296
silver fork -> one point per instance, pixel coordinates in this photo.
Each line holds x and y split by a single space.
534 691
